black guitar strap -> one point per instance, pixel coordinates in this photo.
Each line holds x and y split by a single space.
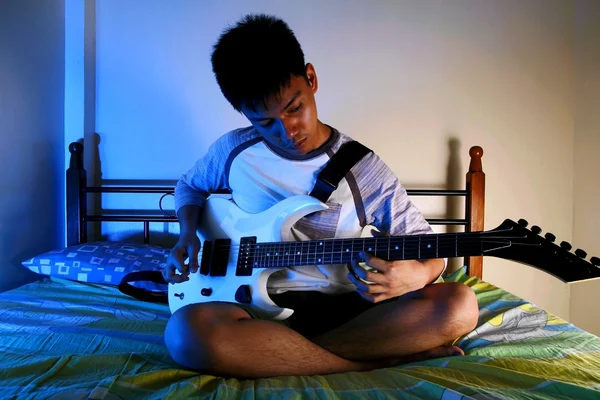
337 167
142 294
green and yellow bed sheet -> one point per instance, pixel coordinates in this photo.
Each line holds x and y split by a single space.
71 340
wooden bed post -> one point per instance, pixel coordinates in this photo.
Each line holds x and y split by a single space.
475 206
76 204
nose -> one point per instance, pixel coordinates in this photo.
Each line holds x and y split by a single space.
288 130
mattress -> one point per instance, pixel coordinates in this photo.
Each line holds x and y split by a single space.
70 340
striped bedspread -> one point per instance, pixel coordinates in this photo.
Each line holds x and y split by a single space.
70 340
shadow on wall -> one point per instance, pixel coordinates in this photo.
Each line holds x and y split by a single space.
455 206
94 203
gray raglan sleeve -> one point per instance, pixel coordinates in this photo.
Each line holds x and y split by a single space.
386 202
387 205
206 176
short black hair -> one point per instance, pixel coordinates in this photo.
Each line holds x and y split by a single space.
253 60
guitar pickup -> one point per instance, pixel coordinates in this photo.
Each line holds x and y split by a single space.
218 265
206 257
246 256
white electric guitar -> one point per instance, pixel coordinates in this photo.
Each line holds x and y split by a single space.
241 250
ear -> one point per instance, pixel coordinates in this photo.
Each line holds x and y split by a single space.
311 75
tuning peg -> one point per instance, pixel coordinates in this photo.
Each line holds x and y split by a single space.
595 261
550 237
580 253
523 223
566 245
536 229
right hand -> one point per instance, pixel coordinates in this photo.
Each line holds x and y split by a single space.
187 246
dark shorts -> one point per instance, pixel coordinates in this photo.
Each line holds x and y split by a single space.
316 313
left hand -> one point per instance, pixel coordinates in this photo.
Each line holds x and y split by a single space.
392 279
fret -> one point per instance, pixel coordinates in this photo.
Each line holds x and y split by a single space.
273 255
315 245
298 254
375 251
305 253
380 247
455 244
276 256
403 244
327 252
388 248
428 249
258 256
411 248
347 252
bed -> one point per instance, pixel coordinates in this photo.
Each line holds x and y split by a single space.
68 339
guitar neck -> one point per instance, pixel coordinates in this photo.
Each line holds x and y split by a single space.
342 251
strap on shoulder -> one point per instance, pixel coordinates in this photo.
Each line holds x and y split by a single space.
337 167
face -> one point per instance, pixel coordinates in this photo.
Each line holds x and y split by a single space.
289 121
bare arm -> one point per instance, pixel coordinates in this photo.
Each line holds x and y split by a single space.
188 219
187 246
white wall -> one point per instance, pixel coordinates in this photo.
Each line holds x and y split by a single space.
403 76
31 134
586 221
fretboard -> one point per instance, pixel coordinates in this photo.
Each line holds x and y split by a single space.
342 251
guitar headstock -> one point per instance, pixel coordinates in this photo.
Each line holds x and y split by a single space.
514 241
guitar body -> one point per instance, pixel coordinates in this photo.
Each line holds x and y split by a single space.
222 219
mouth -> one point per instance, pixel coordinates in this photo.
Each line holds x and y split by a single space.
299 143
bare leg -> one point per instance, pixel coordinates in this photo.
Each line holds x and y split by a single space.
222 339
413 324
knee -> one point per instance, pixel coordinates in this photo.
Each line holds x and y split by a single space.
191 337
457 303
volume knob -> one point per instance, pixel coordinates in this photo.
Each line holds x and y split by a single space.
550 237
536 229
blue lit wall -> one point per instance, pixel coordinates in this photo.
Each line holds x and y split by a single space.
31 133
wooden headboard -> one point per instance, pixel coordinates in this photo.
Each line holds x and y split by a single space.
78 217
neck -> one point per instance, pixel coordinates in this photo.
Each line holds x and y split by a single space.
324 132
342 251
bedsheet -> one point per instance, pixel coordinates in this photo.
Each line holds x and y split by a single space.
70 340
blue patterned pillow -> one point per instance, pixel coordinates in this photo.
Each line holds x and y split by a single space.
102 263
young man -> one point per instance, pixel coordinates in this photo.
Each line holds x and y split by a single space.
340 323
